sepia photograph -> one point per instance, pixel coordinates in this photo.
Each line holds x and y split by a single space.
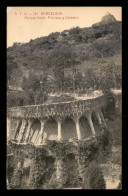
64 98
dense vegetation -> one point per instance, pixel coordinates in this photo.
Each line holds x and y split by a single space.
74 60
53 167
82 43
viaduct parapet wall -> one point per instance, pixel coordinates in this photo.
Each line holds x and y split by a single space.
62 109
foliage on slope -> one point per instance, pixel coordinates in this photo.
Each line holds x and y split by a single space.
68 61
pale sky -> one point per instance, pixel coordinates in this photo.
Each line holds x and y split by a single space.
21 29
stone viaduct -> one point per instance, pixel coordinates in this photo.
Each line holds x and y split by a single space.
56 121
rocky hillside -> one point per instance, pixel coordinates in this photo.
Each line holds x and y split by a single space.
103 39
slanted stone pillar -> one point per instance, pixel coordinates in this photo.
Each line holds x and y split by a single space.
39 138
30 135
76 120
98 117
16 129
89 117
102 117
22 129
30 121
44 138
35 136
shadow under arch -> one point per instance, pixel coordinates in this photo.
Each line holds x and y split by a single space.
96 123
68 129
35 129
50 130
84 127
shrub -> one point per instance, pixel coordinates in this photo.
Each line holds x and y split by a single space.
59 173
120 183
94 178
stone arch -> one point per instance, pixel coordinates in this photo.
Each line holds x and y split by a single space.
34 131
69 129
84 127
50 130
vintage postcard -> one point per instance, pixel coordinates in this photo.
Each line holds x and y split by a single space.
64 97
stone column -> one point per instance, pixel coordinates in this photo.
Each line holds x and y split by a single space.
24 123
28 129
39 138
102 117
8 127
59 122
88 116
76 120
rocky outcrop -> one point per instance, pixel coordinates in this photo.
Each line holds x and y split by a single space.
107 19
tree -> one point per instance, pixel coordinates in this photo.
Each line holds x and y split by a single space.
58 150
32 88
101 47
72 63
94 178
37 169
108 77
11 66
56 75
91 79
75 30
